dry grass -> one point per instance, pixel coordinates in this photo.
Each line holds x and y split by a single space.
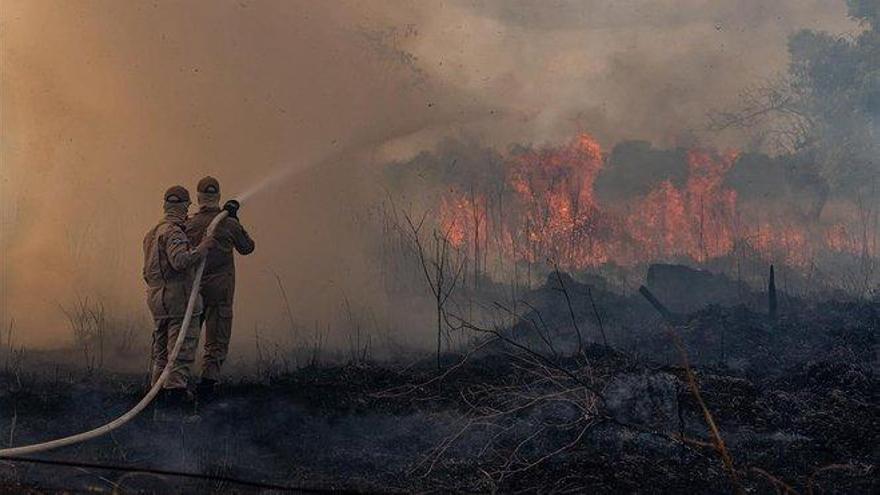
88 322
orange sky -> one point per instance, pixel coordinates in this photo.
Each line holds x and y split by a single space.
103 104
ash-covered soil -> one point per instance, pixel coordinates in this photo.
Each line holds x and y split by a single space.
796 401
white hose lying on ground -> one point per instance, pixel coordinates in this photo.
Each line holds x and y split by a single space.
140 406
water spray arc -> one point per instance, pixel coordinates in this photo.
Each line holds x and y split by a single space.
151 394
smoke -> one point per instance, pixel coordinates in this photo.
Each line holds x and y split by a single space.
619 70
112 103
105 104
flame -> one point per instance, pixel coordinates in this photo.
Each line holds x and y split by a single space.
557 216
463 218
785 242
555 189
694 221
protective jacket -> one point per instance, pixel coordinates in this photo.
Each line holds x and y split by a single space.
220 264
169 268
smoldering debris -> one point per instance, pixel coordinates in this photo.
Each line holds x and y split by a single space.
528 406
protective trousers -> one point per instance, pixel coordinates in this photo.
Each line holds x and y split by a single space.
164 337
218 330
217 292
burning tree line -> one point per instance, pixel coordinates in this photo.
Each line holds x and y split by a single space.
536 205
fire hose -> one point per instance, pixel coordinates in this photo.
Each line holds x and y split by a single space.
154 390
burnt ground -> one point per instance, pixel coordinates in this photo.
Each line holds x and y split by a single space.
796 400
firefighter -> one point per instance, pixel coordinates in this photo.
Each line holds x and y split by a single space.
169 269
218 284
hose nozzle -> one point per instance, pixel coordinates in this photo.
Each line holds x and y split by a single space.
232 207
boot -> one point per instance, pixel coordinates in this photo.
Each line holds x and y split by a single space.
206 390
176 399
175 404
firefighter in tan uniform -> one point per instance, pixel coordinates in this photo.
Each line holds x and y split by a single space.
218 284
169 269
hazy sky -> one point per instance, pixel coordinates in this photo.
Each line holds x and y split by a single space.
104 104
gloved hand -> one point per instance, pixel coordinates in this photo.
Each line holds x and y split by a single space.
232 207
206 245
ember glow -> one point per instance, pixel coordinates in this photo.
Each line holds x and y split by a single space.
553 214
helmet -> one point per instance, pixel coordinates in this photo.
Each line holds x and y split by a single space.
208 185
177 194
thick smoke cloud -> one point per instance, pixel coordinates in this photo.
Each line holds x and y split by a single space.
621 70
104 104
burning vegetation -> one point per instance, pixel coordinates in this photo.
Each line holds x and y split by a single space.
544 205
